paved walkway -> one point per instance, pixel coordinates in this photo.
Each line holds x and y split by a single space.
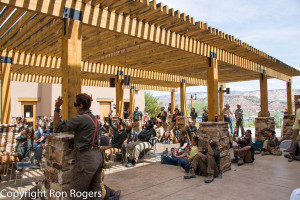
269 178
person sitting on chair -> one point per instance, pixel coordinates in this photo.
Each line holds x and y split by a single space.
131 137
271 144
118 136
160 131
143 144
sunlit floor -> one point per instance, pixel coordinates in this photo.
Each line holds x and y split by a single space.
269 177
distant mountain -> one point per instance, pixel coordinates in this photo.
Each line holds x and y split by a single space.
250 100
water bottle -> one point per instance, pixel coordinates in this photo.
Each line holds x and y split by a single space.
164 153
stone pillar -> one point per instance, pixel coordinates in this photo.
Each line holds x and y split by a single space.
182 122
262 123
60 159
288 122
218 131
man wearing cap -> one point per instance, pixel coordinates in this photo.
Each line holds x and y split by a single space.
239 113
244 152
228 116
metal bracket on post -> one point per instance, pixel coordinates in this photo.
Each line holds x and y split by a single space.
289 82
132 87
4 59
173 90
72 14
212 55
119 73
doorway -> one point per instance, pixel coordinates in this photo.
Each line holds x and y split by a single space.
28 110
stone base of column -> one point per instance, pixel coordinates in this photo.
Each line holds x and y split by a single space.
182 122
8 142
288 122
60 159
261 124
218 131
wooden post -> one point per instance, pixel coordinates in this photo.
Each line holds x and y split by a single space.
289 97
71 65
132 101
6 62
264 95
212 86
119 95
192 101
172 101
183 97
221 98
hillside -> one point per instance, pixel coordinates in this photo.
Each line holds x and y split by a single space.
250 100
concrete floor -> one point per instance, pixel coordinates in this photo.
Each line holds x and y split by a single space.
268 178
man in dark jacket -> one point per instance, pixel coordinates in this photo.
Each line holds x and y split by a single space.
118 137
191 129
131 137
144 143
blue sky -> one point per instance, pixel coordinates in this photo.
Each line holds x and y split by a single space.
272 26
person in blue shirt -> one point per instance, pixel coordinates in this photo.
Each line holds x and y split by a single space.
42 139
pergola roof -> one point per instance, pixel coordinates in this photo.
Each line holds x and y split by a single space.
148 41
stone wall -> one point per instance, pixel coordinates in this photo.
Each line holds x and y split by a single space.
60 159
8 142
218 131
262 123
288 121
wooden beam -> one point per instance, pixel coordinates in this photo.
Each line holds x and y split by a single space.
172 101
289 96
212 88
71 65
119 96
132 101
183 97
264 95
5 88
123 24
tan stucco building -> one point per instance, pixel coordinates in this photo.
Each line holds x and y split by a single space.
37 99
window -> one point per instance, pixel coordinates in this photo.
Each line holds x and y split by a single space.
28 111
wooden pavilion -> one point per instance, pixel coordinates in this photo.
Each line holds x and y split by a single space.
87 42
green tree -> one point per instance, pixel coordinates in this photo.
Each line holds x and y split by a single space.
151 104
198 105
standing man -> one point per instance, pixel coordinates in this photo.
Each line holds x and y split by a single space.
137 120
193 115
296 126
86 175
239 113
227 114
163 117
169 108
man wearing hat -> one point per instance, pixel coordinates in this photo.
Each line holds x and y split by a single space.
228 116
239 113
